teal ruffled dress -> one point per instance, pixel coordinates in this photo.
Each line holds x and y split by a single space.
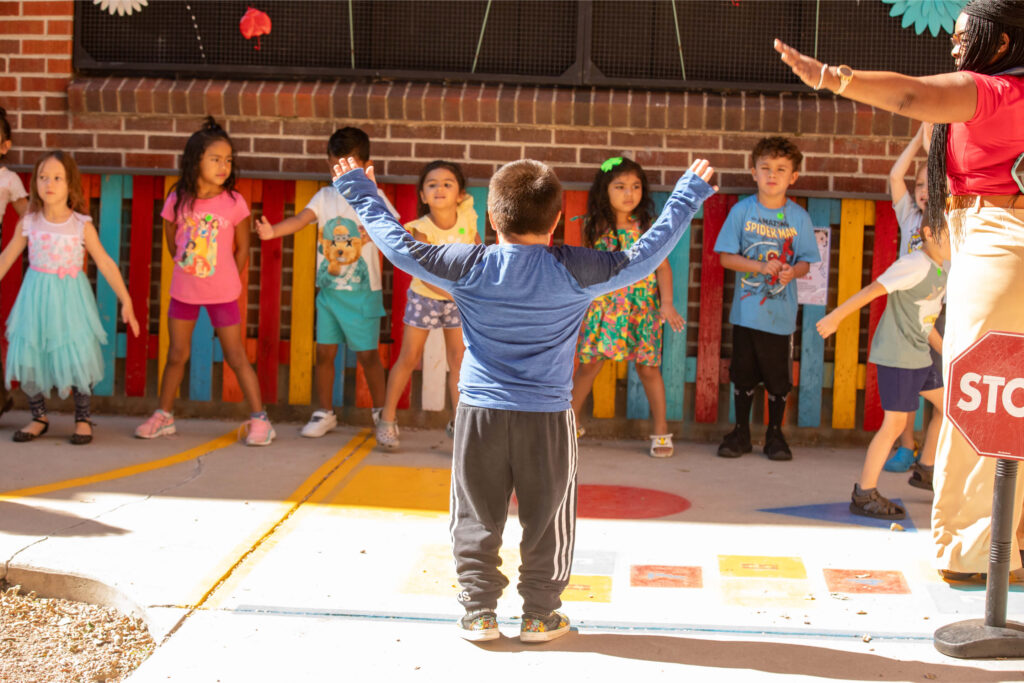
53 332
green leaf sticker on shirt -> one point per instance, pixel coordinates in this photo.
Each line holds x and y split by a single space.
781 215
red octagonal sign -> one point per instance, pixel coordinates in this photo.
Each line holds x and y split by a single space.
985 395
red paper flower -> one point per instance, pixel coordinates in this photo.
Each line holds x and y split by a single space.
254 23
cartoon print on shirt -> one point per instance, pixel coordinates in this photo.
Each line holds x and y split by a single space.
339 257
199 253
765 286
928 308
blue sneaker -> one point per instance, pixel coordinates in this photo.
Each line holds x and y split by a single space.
901 460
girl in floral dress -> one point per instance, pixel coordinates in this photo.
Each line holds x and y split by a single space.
626 324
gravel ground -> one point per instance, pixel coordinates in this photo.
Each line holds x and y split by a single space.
60 641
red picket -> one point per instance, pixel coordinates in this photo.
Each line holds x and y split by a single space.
885 252
144 192
716 208
271 255
574 207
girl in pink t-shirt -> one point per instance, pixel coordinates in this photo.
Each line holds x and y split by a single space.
206 224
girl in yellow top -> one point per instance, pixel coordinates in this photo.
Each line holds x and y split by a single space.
446 216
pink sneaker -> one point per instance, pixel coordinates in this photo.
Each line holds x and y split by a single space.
160 423
260 432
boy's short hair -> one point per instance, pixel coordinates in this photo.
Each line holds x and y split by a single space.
349 141
777 146
524 197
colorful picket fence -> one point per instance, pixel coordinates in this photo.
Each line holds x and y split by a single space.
128 214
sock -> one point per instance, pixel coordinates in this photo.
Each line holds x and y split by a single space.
776 410
262 415
743 399
858 491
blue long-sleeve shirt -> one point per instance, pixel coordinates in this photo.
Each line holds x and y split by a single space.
522 305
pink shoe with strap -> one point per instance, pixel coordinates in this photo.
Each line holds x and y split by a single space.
260 432
160 423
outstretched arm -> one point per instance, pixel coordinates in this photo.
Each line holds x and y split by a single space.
434 264
943 98
13 250
830 323
897 184
289 226
112 275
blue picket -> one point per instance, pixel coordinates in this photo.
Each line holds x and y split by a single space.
479 195
200 364
824 212
111 200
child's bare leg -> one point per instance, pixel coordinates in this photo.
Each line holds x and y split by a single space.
373 370
931 436
583 383
325 354
454 348
907 436
413 339
180 332
878 450
654 387
237 359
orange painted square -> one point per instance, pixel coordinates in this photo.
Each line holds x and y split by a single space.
664 576
865 581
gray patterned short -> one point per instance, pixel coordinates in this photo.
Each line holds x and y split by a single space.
430 314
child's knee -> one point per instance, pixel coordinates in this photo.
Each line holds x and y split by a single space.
236 358
325 353
648 371
368 359
178 355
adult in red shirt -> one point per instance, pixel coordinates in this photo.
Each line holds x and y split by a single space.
979 112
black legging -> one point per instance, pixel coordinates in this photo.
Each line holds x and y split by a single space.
37 404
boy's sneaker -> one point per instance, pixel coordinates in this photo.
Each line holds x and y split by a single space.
540 629
260 432
901 460
160 423
735 443
775 446
921 477
479 626
319 424
871 503
387 434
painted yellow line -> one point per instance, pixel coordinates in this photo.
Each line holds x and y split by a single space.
325 477
121 472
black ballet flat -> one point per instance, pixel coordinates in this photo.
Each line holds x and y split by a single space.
8 404
81 439
22 437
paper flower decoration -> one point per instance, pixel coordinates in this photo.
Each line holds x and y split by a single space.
254 23
927 14
121 7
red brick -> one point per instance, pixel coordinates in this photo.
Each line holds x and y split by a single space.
146 160
8 84
675 116
308 166
664 158
601 108
341 101
478 171
563 154
414 132
305 127
638 109
26 65
390 148
267 164
451 104
470 132
42 9
150 123
752 108
701 141
577 136
22 27
902 126
188 124
826 115
582 107
736 181
809 118
268 98
304 100
58 27
872 166
789 115
377 100
507 104
44 84
657 110
45 121
214 98
10 9
814 144
619 109
413 101
58 103
863 119
167 142
69 141
495 152
120 140
96 122
526 105
76 96
471 102
179 97
440 150
432 102
860 185
859 147
844 116
249 98
275 145
87 159
488 102
622 139
561 107
29 139
254 127
322 98
46 47
394 103
882 123
831 164
126 95
771 114
241 144
812 183
574 174
10 47
230 98
544 107
14 103
286 99
713 113
595 156
403 168
511 134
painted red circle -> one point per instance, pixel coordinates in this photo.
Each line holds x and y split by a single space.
598 501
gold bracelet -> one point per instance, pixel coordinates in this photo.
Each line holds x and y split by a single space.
845 75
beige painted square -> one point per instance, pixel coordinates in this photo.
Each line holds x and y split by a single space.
588 589
766 593
434 571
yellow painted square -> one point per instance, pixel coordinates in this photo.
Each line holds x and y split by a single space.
767 593
761 567
588 589
434 571
408 489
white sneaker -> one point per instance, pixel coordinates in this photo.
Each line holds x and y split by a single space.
319 424
387 434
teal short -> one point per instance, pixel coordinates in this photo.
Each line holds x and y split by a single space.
349 318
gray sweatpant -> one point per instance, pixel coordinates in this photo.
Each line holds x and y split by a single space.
496 452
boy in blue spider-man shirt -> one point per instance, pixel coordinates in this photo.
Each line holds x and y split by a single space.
522 304
769 241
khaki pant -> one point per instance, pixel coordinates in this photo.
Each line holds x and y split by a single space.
985 291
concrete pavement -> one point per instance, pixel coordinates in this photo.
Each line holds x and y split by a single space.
321 559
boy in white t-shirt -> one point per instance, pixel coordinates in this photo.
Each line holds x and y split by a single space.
349 303
12 191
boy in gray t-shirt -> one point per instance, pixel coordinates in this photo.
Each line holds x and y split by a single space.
915 284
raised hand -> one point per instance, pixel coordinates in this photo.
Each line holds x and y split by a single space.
350 164
806 68
264 229
704 170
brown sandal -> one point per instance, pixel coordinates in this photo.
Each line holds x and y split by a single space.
874 504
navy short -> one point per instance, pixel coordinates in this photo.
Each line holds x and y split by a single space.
899 388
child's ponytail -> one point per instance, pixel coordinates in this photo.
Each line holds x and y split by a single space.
188 181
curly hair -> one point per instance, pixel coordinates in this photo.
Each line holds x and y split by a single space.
187 186
777 146
600 217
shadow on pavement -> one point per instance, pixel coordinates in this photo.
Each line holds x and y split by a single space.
25 520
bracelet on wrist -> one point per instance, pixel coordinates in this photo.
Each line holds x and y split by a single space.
821 79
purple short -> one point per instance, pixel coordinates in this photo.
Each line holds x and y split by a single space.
221 315
899 388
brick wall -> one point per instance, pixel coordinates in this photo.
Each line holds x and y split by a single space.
280 128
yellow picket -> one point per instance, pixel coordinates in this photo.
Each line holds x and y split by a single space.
851 243
166 267
300 367
604 390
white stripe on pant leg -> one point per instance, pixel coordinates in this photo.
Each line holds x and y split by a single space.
565 526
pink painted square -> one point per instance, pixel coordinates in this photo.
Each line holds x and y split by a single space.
865 581
664 576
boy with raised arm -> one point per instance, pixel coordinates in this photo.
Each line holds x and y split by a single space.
522 303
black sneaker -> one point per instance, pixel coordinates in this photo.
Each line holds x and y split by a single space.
775 446
735 443
920 477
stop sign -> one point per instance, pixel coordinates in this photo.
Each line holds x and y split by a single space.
985 395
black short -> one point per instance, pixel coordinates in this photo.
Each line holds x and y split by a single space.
761 357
